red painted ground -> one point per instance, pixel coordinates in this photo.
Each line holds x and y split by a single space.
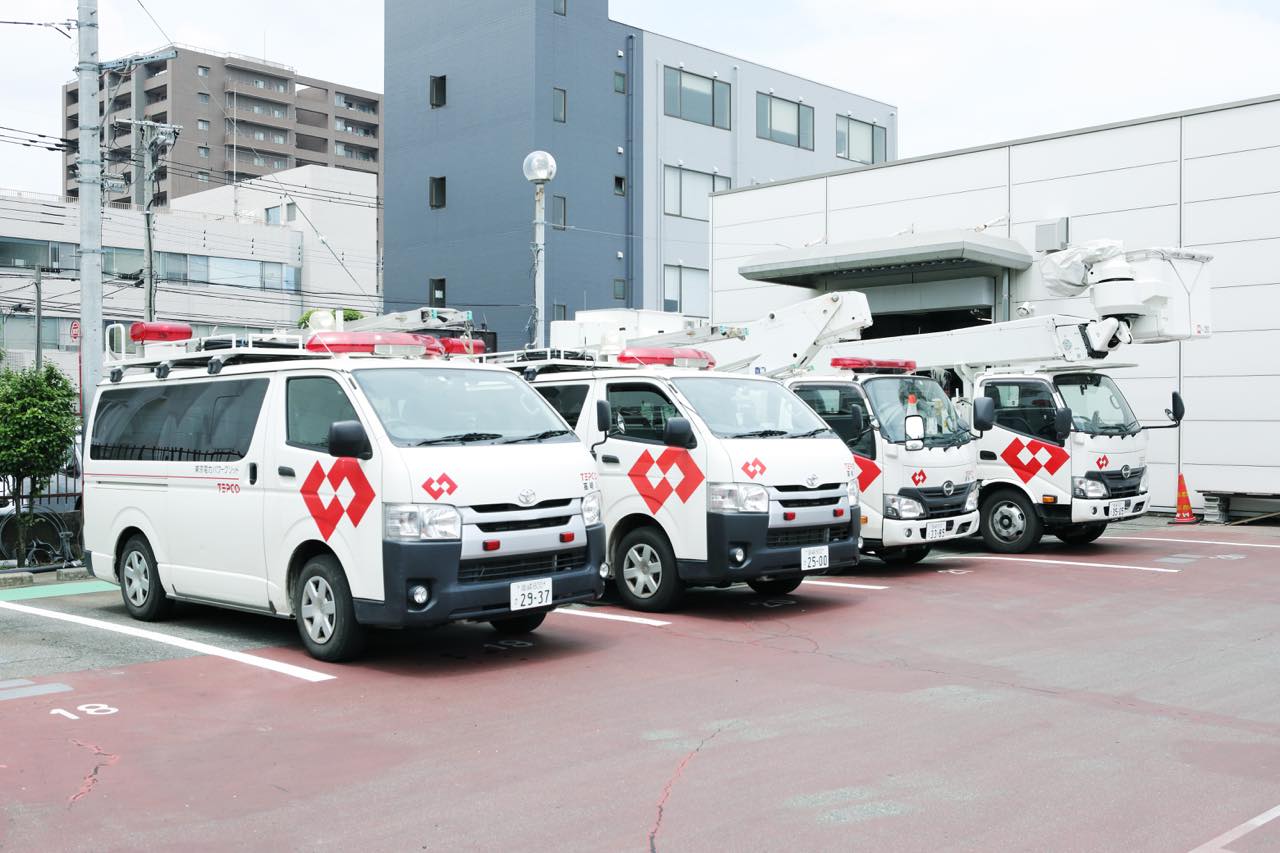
1010 707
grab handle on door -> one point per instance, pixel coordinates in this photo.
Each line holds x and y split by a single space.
285 471
610 458
987 456
253 473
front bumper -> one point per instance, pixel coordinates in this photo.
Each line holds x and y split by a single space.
766 555
438 564
1084 510
897 532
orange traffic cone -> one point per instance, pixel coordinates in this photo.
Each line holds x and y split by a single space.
1185 515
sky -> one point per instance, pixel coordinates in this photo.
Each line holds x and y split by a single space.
960 73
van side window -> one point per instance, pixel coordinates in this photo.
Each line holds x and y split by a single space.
1024 406
181 422
568 400
835 405
639 412
312 403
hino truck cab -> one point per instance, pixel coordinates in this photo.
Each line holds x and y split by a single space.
916 458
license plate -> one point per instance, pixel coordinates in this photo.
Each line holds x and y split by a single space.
1118 508
817 557
526 594
935 530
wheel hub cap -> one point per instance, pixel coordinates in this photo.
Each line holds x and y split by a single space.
1008 522
137 578
642 571
318 610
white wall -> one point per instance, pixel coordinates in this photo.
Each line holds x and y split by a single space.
1206 180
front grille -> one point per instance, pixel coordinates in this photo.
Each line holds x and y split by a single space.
937 504
1118 484
518 508
790 538
808 489
521 566
795 502
523 524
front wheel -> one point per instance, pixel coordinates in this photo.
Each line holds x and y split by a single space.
1081 534
1010 524
775 586
325 613
523 624
903 555
646 575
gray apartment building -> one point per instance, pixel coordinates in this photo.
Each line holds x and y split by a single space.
643 128
241 117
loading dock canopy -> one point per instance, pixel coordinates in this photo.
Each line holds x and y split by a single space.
902 253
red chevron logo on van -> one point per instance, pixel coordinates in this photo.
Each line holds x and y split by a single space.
1027 458
328 515
655 495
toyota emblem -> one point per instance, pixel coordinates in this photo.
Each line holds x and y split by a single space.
527 497
811 480
1124 472
948 488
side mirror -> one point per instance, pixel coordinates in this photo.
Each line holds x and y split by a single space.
913 427
1062 423
857 423
348 438
604 416
1177 410
984 414
678 433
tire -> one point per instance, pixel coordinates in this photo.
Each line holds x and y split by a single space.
777 586
646 572
903 555
325 613
524 624
1081 534
1010 524
140 587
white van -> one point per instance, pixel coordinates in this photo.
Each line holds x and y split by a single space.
306 477
708 478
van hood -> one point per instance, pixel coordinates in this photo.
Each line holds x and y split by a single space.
519 474
788 461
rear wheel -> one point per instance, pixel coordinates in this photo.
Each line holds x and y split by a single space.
775 586
140 587
903 555
1010 524
325 613
646 573
1081 534
523 624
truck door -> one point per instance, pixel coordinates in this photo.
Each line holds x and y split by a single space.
1023 447
835 402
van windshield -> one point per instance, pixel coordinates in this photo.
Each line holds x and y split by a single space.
420 406
749 408
1096 404
891 402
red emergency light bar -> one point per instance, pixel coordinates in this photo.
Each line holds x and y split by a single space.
141 333
380 343
667 356
463 346
874 364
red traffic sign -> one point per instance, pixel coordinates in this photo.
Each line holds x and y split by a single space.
75 331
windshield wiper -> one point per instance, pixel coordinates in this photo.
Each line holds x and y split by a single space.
538 436
461 438
760 433
811 433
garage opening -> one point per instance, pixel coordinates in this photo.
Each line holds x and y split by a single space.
922 322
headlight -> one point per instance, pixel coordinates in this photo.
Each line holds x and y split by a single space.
591 508
412 522
971 502
896 506
1142 487
852 489
1083 487
737 497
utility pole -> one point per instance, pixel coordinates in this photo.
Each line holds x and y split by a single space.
157 138
89 166
39 317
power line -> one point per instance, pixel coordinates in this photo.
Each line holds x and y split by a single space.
154 21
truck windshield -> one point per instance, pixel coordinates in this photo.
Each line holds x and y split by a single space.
420 406
749 408
890 398
1096 404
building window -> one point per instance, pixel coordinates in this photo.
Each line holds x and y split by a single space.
859 141
787 122
290 212
273 215
559 105
203 97
202 71
435 192
620 82
260 134
202 124
259 160
619 288
260 84
559 311
279 138
879 144
693 97
203 151
619 185
560 7
279 164
202 177
686 290
438 91
559 211
685 192
435 293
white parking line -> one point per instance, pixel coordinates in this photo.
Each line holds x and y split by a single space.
1220 843
1189 541
1056 562
178 642
616 617
816 582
